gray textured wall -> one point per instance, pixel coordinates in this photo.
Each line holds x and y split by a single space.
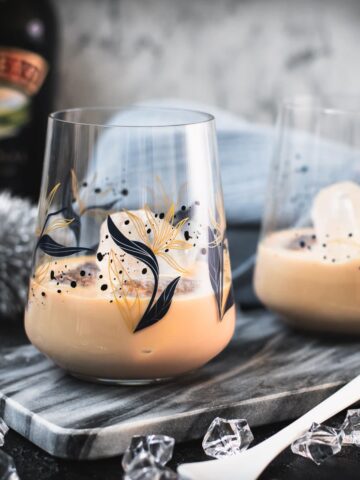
239 54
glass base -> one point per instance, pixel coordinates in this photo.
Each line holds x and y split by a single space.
121 381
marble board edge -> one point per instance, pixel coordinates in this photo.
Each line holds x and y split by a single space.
110 441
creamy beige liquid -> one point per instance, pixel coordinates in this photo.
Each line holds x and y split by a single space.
303 283
82 329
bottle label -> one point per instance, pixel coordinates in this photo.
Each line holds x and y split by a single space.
22 73
22 69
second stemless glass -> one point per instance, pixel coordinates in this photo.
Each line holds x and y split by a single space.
131 278
307 266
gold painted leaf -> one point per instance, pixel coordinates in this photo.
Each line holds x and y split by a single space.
58 223
172 262
128 306
179 245
52 193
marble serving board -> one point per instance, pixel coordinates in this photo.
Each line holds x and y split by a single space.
268 373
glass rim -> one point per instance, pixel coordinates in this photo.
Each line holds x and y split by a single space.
202 117
328 104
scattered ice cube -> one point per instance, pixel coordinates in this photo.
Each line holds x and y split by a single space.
148 451
319 443
143 459
151 473
7 467
351 428
227 437
3 431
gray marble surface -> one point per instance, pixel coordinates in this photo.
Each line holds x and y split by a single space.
241 55
268 373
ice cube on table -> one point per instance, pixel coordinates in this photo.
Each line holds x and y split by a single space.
148 451
351 428
227 437
3 431
319 443
151 473
7 467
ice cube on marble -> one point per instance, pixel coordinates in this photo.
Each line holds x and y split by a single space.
7 467
148 451
227 437
351 428
151 473
319 443
3 431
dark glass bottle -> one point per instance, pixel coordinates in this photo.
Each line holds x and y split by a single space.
28 44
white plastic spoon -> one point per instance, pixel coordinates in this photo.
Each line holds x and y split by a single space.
251 463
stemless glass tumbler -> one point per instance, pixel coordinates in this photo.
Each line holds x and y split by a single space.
308 262
131 278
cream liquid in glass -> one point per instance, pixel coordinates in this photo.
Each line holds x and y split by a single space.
86 313
81 327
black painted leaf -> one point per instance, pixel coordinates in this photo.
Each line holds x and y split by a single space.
181 214
49 246
160 308
67 203
134 248
215 261
229 300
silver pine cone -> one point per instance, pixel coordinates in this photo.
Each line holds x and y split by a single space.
17 238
